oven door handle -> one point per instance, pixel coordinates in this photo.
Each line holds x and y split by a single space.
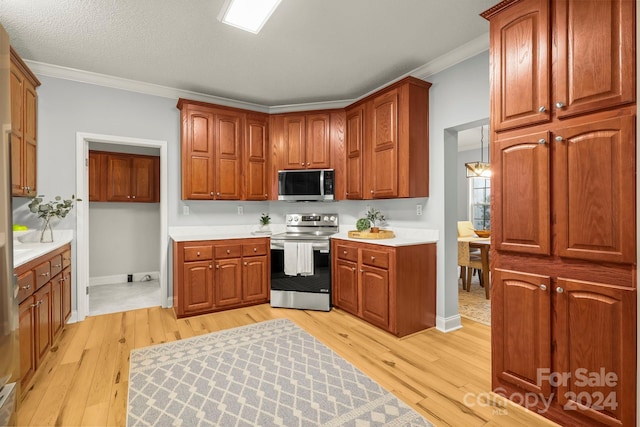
323 247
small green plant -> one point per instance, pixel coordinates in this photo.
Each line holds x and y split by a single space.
363 224
57 207
375 217
265 219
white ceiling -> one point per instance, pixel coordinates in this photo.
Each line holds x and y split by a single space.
309 51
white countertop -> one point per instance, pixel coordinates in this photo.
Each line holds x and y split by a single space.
404 236
27 246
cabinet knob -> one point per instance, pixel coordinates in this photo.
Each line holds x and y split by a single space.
228 251
266 195
543 287
66 259
45 274
245 263
542 109
371 191
25 287
373 258
61 280
302 164
198 254
542 141
210 266
345 252
559 138
308 164
211 193
133 197
255 249
218 193
217 265
57 265
559 290
361 271
353 269
559 104
128 197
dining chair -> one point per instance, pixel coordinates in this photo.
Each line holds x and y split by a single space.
465 229
468 261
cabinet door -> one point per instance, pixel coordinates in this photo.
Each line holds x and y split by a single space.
66 294
27 340
383 175
17 131
345 287
197 154
56 306
42 322
255 279
595 55
144 178
228 140
318 147
30 137
521 311
375 296
596 345
228 282
521 216
197 287
355 140
294 142
95 177
118 178
255 169
593 195
520 65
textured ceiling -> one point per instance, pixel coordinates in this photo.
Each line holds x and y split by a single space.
309 51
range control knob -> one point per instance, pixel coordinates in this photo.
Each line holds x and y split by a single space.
326 218
332 218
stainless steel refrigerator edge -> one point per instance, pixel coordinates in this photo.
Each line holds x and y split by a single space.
9 340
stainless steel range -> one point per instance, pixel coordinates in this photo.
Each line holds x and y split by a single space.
301 262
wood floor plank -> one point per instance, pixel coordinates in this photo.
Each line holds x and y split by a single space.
431 371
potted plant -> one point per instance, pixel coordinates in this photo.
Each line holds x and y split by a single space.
375 218
55 208
265 220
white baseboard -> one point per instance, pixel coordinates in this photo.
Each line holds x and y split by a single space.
121 278
74 317
448 324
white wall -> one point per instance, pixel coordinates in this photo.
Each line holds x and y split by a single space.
123 238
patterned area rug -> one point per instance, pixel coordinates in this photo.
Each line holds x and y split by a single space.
474 305
268 374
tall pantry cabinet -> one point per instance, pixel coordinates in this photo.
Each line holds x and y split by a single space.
563 84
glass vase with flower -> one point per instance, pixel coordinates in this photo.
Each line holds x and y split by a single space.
57 208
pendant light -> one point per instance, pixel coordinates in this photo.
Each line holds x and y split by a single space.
479 169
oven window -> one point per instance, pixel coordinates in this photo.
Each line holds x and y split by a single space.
320 282
301 183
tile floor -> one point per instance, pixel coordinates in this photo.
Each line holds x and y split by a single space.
104 299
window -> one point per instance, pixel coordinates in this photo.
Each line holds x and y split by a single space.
480 203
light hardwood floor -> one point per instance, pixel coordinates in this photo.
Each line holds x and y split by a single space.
84 380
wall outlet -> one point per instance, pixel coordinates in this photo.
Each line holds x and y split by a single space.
129 278
240 210
185 210
418 209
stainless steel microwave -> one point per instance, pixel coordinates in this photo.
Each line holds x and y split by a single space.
306 185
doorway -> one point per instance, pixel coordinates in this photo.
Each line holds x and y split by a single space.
83 141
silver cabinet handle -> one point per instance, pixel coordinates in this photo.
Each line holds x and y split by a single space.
559 104
542 141
542 109
559 138
559 290
543 287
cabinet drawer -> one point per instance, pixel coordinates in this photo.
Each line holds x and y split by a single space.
347 252
66 259
375 258
26 285
228 251
197 253
254 249
55 265
43 274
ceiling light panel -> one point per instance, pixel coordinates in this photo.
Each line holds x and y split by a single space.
248 15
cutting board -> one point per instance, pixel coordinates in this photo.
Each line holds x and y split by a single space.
382 234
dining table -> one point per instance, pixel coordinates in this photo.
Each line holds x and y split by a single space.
484 244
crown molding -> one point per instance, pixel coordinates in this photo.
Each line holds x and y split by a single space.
465 51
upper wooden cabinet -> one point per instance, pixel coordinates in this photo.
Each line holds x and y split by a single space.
589 67
306 141
24 131
120 177
224 153
388 143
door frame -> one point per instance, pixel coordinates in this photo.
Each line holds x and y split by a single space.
82 214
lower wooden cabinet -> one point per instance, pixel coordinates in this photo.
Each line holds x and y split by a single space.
392 287
44 307
214 275
566 343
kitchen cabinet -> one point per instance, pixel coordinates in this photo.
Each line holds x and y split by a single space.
122 177
24 129
211 141
587 76
388 142
390 287
306 141
215 275
256 161
44 297
563 205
